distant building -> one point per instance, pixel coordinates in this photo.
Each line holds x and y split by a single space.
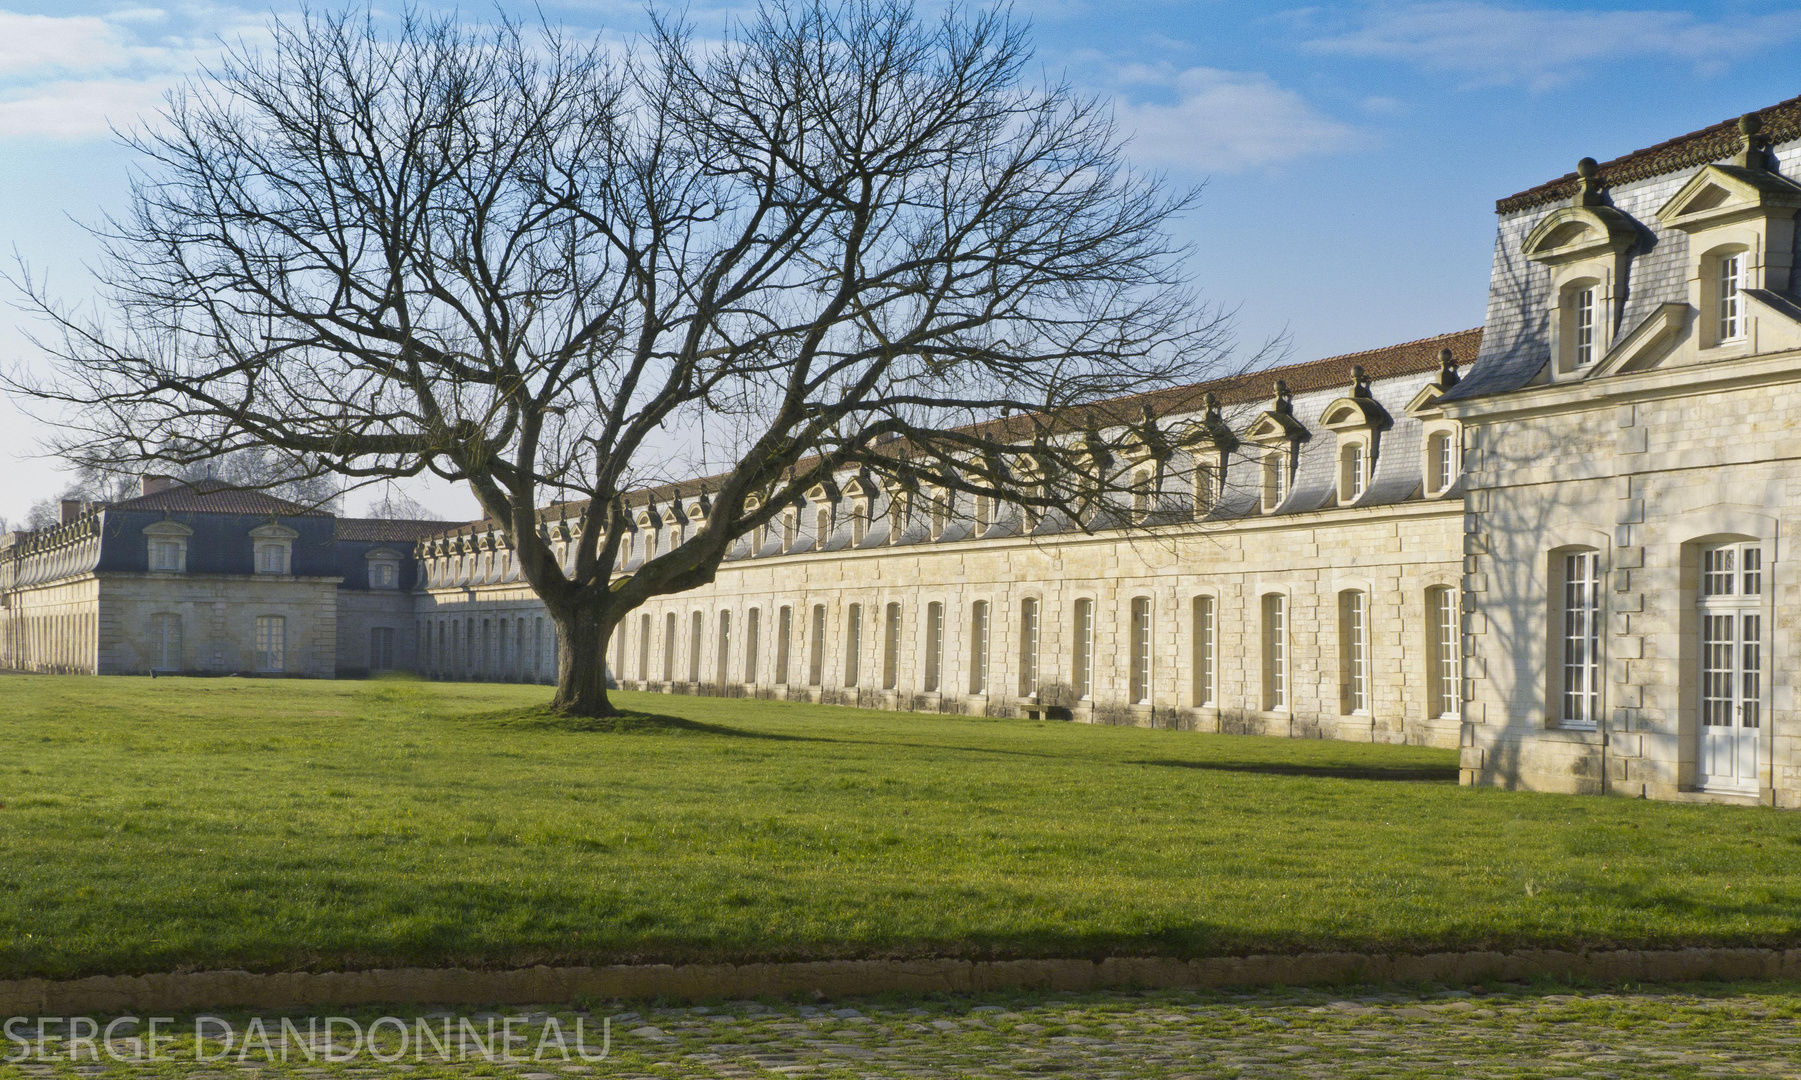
203 579
1557 542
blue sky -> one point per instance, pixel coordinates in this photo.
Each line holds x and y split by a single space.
1351 151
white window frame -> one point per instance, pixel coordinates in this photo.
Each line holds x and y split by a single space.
1354 651
271 643
1142 626
891 646
1205 648
1444 649
981 623
1580 663
934 674
853 644
1276 653
1030 609
273 547
1729 302
1082 663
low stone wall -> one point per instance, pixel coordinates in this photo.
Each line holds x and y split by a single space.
835 978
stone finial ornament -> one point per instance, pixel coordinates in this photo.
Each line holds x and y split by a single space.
1284 400
1588 189
1360 382
1211 402
1753 153
1447 369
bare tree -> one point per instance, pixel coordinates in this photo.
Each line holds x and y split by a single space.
845 237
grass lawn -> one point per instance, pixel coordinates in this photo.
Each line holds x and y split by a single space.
179 824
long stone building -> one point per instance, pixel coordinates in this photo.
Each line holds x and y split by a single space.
1554 541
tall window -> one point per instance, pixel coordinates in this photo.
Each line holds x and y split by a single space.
978 647
1028 647
934 646
1275 479
725 646
897 515
1141 650
271 643
669 635
859 522
538 646
650 544
1206 643
816 657
790 526
941 512
823 528
1443 650
1275 652
1356 468
1731 618
1206 489
696 642
784 639
853 642
1731 305
891 636
1581 638
753 632
1583 325
1441 454
381 648
644 647
1141 495
165 642
1082 664
1354 650
983 514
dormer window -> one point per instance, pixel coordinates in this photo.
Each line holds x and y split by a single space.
384 569
983 514
1206 489
941 512
823 526
790 526
1730 310
274 546
1583 302
1441 462
168 547
859 522
1353 472
1275 479
900 502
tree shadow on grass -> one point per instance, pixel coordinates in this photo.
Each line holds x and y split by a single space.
1415 773
546 719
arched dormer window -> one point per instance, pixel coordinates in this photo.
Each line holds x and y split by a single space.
274 547
1357 421
900 510
1280 436
860 493
168 547
1585 246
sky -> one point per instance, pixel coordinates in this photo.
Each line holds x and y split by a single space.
1350 152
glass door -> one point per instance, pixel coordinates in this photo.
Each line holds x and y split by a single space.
1731 619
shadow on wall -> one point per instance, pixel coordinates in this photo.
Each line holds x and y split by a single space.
1444 774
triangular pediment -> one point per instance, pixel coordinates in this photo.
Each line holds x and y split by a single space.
1647 344
1272 426
1719 194
1579 232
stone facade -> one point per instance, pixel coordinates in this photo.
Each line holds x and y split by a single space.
1557 542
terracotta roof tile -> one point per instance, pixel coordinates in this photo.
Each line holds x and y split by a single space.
216 497
1781 123
379 530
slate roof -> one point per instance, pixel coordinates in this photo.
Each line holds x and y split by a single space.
1781 123
217 497
1417 357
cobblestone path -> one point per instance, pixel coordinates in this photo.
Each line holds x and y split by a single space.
1513 1032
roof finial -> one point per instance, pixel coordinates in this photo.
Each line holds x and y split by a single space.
1284 403
1447 369
1751 154
1360 382
1588 189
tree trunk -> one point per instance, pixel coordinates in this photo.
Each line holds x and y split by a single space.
581 664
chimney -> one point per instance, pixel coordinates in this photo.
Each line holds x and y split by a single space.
155 482
72 509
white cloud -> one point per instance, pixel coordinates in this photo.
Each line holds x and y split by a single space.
1225 121
78 110
39 44
1498 45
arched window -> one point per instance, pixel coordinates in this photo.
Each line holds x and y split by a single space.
891 635
1275 652
978 647
1352 471
1028 647
816 652
1141 651
669 635
725 648
644 647
983 514
784 639
753 632
1442 651
1206 651
934 646
1082 663
853 643
1354 651
1578 637
822 528
696 642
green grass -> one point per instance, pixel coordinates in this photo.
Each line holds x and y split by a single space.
179 824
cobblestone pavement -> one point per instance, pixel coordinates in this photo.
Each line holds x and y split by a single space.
1516 1032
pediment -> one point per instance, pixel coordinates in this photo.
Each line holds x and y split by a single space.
1352 413
1579 232
1720 194
1426 400
274 532
382 553
167 528
1647 343
1273 427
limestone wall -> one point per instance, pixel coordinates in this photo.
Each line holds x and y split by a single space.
218 621
51 627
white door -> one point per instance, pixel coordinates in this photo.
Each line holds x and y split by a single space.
1731 668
